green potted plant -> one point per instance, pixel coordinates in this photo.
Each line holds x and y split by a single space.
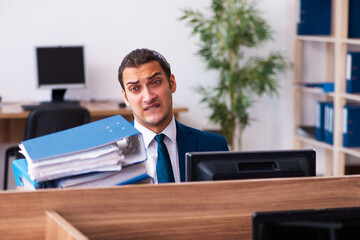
226 31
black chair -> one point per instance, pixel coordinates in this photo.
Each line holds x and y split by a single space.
47 119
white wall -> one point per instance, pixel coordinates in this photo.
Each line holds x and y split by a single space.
110 29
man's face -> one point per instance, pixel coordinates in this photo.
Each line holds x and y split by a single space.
147 91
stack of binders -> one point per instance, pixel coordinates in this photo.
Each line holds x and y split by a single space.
351 125
353 72
107 152
325 123
314 17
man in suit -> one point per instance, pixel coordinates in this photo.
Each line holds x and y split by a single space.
147 87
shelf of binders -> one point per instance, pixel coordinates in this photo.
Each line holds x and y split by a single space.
351 97
319 91
350 132
336 26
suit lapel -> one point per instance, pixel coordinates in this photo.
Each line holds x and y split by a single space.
186 143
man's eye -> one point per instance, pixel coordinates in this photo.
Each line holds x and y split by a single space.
133 89
155 82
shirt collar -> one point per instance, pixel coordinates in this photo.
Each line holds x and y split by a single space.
170 131
148 135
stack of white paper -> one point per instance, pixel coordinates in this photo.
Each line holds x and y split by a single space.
107 158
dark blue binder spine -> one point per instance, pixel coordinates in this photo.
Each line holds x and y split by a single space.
351 126
320 108
314 17
329 123
353 72
354 19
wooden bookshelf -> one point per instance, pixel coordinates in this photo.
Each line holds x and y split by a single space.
337 45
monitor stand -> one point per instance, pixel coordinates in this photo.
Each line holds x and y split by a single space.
57 97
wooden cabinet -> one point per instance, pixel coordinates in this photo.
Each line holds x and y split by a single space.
335 49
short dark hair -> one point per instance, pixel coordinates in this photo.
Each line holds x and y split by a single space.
139 57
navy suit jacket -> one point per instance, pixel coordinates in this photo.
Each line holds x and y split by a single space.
193 140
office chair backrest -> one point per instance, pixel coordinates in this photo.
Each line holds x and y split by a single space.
45 120
53 118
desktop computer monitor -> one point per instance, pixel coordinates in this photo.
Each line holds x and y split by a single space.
210 166
60 68
310 224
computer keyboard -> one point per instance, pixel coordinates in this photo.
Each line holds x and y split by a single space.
29 107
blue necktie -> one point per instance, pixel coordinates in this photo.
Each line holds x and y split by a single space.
163 164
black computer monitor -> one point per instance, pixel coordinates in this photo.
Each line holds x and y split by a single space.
209 166
312 224
60 68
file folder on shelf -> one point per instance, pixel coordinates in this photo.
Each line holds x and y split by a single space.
325 86
354 19
351 126
314 17
320 120
135 173
104 145
353 72
329 123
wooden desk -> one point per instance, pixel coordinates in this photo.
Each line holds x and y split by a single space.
206 210
13 117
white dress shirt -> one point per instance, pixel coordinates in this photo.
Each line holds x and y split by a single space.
151 148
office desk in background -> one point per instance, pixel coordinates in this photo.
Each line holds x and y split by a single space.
13 117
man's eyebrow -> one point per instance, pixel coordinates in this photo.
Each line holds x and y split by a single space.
149 78
136 82
154 75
